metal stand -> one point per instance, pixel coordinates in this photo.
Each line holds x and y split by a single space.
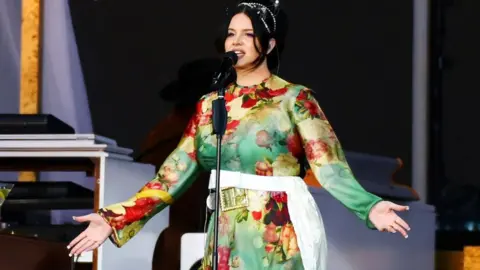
219 118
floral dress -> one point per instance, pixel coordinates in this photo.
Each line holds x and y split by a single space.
272 128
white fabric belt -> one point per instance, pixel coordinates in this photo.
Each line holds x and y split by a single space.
251 181
304 213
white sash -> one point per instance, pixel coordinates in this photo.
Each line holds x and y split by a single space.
303 211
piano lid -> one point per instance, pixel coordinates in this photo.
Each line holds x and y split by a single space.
45 195
33 124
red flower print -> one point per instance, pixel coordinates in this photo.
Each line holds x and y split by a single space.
191 128
294 145
316 149
193 155
277 213
117 221
312 108
228 97
223 223
257 215
247 91
263 139
270 235
307 103
146 201
153 185
205 118
263 94
277 92
223 258
248 102
133 213
281 217
270 205
302 96
269 248
279 197
263 168
199 105
232 125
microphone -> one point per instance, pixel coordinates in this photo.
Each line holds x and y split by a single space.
220 79
229 60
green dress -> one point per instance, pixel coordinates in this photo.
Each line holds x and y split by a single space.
272 127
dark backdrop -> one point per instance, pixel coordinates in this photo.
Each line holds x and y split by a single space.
461 93
355 54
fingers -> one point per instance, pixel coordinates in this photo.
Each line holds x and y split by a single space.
398 225
397 207
77 239
87 246
83 218
402 223
390 229
398 228
80 246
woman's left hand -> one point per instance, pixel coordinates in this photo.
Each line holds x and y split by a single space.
383 216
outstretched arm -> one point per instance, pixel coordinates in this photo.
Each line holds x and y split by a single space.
174 176
326 157
327 161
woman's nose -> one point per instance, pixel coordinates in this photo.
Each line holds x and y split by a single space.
237 41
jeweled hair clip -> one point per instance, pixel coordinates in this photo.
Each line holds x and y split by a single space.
262 11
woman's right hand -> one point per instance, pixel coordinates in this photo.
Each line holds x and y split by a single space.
92 237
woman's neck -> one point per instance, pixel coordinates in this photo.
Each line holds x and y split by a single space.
252 77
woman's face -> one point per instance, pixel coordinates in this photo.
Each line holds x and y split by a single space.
241 39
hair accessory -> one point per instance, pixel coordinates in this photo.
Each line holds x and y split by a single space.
262 11
276 4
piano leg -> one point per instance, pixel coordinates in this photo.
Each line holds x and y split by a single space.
118 181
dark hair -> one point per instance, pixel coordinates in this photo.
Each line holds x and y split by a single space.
260 31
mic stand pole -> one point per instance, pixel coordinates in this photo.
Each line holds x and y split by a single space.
219 118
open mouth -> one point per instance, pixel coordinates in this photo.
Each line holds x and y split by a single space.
240 54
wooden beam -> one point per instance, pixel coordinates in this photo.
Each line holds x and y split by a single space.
471 259
30 62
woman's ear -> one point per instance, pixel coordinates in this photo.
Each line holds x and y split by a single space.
271 45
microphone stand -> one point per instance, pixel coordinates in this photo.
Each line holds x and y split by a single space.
219 118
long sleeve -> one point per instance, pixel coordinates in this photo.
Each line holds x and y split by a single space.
174 176
326 158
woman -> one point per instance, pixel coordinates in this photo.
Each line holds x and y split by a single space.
272 126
